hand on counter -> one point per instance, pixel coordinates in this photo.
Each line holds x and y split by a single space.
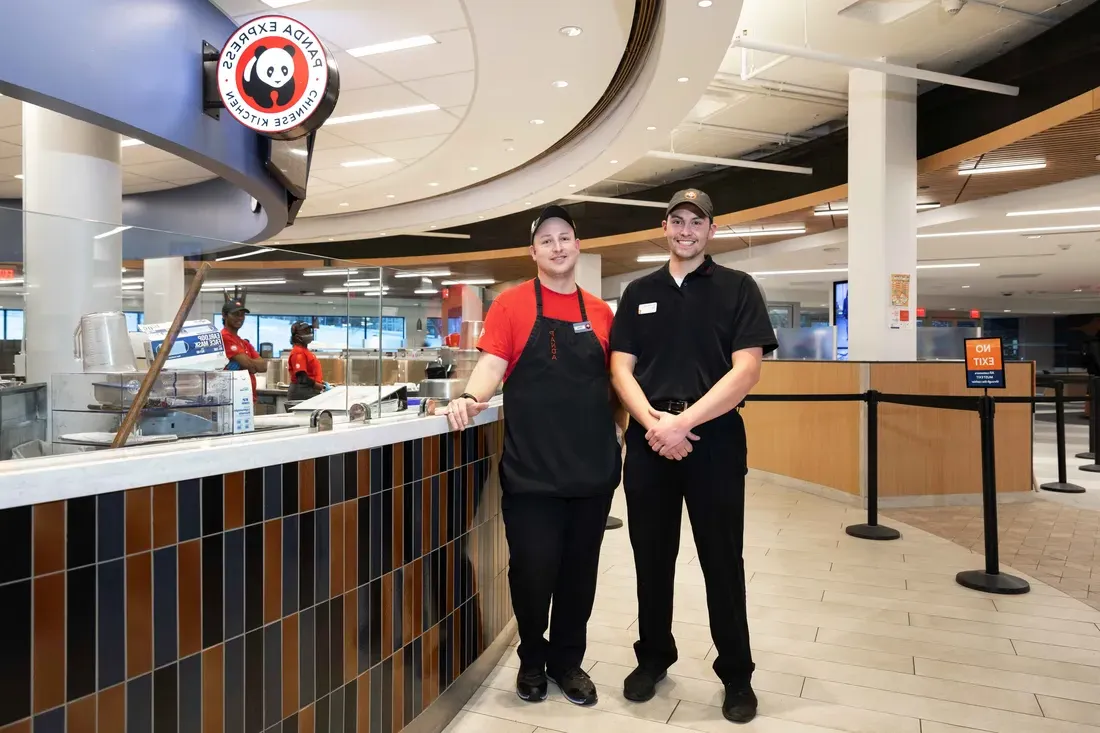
325 386
670 437
461 412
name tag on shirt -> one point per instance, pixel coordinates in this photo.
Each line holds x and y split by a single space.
582 327
645 308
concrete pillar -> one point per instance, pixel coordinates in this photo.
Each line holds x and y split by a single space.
164 288
882 210
72 251
589 273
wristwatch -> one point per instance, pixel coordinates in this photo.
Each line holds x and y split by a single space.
468 396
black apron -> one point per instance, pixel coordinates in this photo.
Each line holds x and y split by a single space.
559 428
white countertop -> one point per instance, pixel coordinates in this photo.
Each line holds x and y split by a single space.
56 478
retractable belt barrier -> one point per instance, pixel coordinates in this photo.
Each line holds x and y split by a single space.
991 579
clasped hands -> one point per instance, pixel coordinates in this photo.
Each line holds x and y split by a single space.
670 436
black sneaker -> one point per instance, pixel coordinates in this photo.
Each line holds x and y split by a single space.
740 703
641 684
531 685
577 686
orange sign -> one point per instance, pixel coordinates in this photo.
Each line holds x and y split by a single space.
985 363
7 274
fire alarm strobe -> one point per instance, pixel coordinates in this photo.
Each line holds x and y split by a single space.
275 76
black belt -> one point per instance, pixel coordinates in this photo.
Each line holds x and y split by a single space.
672 407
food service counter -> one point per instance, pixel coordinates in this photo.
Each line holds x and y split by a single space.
352 579
925 456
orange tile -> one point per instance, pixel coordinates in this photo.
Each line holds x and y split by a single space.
234 500
336 550
398 525
307 485
164 515
139 614
80 715
398 464
49 537
290 665
351 545
24 726
213 690
399 690
387 615
363 478
139 520
307 721
112 709
49 642
363 703
190 598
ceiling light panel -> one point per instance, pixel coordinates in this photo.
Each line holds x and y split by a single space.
1025 230
390 46
1008 168
382 114
1043 212
366 162
282 3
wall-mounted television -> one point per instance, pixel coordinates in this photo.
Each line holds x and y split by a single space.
840 318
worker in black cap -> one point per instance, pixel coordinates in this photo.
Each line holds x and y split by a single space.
686 348
303 366
238 350
547 339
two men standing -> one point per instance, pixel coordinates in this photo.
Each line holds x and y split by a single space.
685 348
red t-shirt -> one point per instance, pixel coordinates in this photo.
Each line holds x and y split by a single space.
234 345
512 316
304 360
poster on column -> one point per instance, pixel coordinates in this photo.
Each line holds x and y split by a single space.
901 317
985 366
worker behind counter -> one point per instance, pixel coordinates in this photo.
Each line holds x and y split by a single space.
304 368
238 350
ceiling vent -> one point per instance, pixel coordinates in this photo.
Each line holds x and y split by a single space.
882 12
1021 276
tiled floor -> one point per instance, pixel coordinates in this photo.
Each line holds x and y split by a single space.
848 635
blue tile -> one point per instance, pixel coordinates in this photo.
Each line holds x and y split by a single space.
307 667
234 685
189 497
165 649
139 705
273 492
321 556
112 525
112 624
191 694
51 722
273 675
234 583
213 579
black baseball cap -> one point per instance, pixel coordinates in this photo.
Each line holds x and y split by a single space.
694 197
236 304
552 212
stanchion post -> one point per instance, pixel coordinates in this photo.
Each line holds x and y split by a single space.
991 580
1061 485
1094 428
872 530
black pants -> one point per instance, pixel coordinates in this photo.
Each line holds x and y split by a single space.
711 481
554 545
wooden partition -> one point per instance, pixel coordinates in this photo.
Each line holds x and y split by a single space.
818 442
926 452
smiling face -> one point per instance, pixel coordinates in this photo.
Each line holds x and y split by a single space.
688 231
556 248
235 319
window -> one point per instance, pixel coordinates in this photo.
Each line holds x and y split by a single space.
11 324
134 319
433 335
275 330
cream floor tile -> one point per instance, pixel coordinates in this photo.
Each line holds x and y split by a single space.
613 619
1022 633
782 589
1024 682
623 606
828 608
1079 613
1080 712
1040 594
765 680
468 722
764 581
1090 657
559 716
833 653
511 660
791 575
708 719
954 713
546 730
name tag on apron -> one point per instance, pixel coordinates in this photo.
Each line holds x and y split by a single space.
645 308
582 327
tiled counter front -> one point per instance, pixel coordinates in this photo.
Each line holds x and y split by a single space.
340 594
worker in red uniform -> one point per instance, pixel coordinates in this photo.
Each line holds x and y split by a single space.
306 379
238 350
548 340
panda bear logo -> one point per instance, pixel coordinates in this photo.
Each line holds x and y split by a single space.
270 73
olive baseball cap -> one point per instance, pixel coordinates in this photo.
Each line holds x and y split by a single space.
696 198
552 212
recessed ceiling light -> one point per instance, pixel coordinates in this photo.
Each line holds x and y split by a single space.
843 210
366 162
480 217
1041 212
526 203
571 30
390 196
509 149
474 281
433 184
432 226
1035 236
1001 168
343 203
951 309
705 3
572 185
560 84
382 113
1007 310
473 168
537 122
965 287
282 3
651 128
381 234
1078 290
19 176
388 46
800 272
614 162
682 79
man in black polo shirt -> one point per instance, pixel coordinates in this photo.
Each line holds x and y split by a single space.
686 345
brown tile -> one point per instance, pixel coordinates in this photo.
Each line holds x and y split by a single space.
190 598
273 570
399 690
398 464
139 520
407 603
398 525
351 636
456 658
24 726
387 615
363 703
290 665
351 545
112 709
363 479
139 614
307 485
49 537
213 690
336 550
80 716
307 721
164 515
49 642
233 503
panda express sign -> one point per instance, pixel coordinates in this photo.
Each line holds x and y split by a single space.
277 78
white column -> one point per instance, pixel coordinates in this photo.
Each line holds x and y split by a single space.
163 288
72 194
882 206
589 273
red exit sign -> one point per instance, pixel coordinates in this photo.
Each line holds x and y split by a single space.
7 274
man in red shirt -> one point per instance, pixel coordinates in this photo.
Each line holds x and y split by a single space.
238 350
306 378
548 340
